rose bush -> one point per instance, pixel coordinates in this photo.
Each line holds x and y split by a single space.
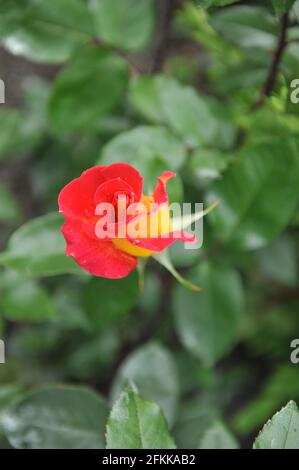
114 256
206 89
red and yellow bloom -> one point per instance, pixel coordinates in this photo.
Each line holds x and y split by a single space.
114 257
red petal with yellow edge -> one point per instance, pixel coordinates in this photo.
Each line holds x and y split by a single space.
159 244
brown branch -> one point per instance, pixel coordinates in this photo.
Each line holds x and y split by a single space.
134 67
167 11
275 64
283 296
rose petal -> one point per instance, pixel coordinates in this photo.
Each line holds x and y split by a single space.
160 243
76 199
127 173
98 257
107 191
160 193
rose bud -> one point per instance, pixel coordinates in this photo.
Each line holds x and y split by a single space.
110 223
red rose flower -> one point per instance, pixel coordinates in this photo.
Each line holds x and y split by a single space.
112 256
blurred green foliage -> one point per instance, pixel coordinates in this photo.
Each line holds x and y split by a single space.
199 87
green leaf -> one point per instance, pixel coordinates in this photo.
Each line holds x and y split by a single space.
281 387
152 369
10 123
278 261
25 300
68 302
57 417
11 14
10 129
8 394
258 195
93 354
195 23
207 164
111 308
124 23
197 414
20 132
282 6
9 211
197 119
44 34
208 322
281 431
218 437
296 9
135 423
38 248
88 88
142 145
247 26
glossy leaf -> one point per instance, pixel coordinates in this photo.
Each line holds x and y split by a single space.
11 13
140 145
87 89
278 261
26 300
38 248
282 6
279 388
208 322
124 23
218 437
281 431
43 34
258 196
152 369
207 164
57 418
135 423
247 26
195 118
